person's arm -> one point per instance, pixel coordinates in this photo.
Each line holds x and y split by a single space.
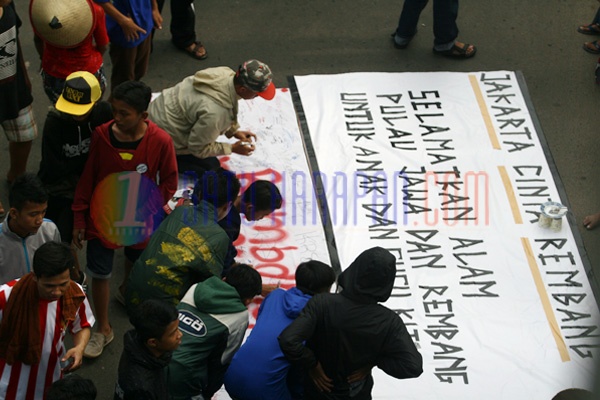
399 356
168 169
101 39
130 29
54 167
80 340
80 329
292 342
204 133
156 17
292 339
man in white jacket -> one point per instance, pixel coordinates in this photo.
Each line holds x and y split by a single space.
205 105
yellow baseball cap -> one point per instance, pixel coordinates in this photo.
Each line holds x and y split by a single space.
81 92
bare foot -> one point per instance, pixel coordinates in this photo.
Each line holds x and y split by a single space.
591 221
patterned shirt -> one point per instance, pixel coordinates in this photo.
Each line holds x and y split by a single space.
22 381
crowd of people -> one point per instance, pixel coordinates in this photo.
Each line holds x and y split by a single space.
108 179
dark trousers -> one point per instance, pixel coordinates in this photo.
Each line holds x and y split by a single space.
194 167
59 211
129 64
183 23
444 20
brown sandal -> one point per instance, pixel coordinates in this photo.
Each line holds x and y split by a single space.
458 51
591 29
196 51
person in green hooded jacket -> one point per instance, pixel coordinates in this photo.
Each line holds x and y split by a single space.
189 246
213 319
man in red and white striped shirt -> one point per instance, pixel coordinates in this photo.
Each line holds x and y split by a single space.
35 313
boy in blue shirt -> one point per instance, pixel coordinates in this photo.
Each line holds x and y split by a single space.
259 370
129 24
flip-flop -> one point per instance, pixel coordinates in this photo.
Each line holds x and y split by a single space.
591 29
457 51
592 47
193 52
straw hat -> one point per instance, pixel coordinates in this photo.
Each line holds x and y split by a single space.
62 23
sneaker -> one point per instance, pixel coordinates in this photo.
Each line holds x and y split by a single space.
97 343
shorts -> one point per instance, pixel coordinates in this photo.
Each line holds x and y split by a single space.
100 259
22 128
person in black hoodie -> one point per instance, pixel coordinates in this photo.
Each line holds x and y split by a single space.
339 338
147 352
66 144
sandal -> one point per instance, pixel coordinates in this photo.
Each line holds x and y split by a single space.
196 51
458 51
592 47
591 29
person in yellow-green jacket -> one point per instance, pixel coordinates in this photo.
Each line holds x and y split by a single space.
189 246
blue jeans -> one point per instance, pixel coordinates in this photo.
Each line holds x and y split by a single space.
597 17
445 12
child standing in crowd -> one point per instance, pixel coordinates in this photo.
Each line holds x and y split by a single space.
16 113
121 151
129 24
66 144
60 57
147 351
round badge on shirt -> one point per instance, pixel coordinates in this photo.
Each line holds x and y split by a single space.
141 168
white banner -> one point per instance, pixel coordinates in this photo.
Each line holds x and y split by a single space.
447 171
293 234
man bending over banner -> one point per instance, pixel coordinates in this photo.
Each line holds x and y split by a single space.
188 247
205 105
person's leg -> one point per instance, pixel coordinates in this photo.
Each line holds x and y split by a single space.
123 65
20 133
597 17
59 211
445 29
131 255
142 58
407 23
99 264
183 23
19 153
